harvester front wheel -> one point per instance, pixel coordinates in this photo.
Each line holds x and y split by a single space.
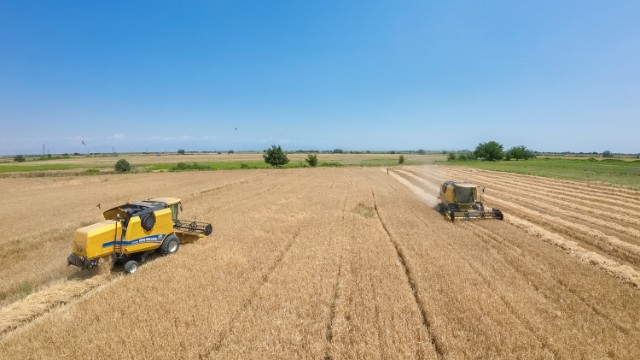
452 215
131 266
170 245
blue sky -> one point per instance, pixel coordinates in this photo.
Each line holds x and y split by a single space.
379 75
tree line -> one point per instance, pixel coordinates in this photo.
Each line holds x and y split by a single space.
494 151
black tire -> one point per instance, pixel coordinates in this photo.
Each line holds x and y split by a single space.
452 216
131 266
170 245
440 208
148 221
208 230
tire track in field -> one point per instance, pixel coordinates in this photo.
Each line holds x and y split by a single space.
628 251
595 206
336 288
402 260
332 315
264 280
511 309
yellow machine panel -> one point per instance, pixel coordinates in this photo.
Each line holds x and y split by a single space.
96 240
138 239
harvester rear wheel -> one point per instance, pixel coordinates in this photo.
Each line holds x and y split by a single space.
170 245
131 266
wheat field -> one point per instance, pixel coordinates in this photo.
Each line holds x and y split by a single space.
328 263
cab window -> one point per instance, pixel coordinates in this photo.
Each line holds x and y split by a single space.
174 212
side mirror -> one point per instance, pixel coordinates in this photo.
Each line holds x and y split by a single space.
483 190
180 207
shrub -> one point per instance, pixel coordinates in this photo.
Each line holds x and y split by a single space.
518 152
123 166
607 154
451 156
490 151
275 157
312 160
401 159
19 158
181 151
463 157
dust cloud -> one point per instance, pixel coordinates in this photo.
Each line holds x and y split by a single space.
427 197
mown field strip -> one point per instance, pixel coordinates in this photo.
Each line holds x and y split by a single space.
42 302
596 206
607 193
622 271
591 204
572 298
630 251
511 253
579 217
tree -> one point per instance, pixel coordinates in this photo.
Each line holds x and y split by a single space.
518 152
401 159
19 158
275 157
181 151
421 152
312 160
607 154
490 151
123 166
451 156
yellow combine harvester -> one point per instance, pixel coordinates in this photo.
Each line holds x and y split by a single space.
460 200
132 231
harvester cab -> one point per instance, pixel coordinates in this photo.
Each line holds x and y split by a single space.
461 200
132 231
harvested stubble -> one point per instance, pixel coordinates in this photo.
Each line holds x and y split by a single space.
331 263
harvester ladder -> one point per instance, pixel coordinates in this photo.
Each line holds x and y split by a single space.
117 240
